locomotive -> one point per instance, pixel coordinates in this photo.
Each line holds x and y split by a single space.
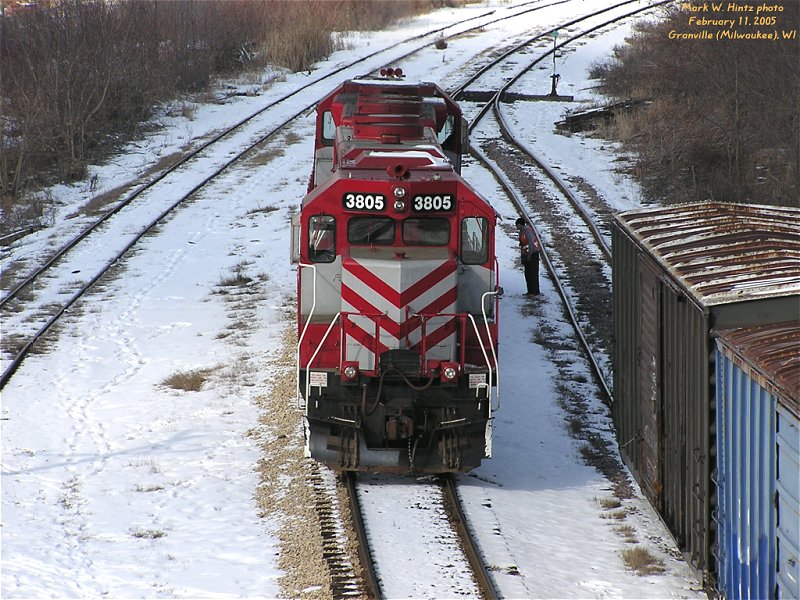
397 285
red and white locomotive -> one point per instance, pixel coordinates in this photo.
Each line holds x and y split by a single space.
397 285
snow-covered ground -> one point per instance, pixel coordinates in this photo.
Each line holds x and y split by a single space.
115 485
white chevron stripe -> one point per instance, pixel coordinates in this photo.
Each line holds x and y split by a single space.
400 276
374 297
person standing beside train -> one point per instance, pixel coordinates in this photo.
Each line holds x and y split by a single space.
529 250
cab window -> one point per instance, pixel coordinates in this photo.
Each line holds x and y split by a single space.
426 232
474 240
328 128
370 230
447 129
321 238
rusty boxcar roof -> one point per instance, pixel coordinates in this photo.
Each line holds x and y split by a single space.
773 354
721 252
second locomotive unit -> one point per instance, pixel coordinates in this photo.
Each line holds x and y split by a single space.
397 285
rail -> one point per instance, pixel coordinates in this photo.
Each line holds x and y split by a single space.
373 590
471 551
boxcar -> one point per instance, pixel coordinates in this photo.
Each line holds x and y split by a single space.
758 461
680 272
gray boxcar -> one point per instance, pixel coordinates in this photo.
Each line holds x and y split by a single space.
678 273
758 462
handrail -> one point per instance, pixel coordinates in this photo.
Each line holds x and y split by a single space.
313 356
489 383
376 318
492 365
305 328
486 358
491 345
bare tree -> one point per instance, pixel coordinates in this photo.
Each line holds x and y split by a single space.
79 76
724 121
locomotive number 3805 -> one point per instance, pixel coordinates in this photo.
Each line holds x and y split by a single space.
377 202
432 203
352 201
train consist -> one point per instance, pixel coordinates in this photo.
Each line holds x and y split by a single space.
397 285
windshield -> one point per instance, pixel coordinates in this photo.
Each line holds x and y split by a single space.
426 232
370 230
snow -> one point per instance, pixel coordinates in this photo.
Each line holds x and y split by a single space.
115 485
436 573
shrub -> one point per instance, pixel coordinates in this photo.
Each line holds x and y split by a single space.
723 123
77 77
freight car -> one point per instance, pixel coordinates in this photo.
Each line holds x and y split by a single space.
681 273
397 285
758 461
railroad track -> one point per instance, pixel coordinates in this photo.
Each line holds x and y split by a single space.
21 337
574 253
514 157
415 526
336 74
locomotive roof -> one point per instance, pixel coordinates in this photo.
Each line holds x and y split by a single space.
391 82
381 128
720 252
425 87
365 154
422 91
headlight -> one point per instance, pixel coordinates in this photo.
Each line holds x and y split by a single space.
350 372
399 192
399 205
450 373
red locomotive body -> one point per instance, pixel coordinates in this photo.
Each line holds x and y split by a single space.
397 286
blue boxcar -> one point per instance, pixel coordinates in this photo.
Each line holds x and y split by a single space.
758 462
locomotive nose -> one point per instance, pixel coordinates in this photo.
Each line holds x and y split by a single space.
399 302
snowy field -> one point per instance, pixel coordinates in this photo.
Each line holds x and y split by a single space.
115 485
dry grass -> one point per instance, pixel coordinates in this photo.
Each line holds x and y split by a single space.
150 534
609 503
13 343
642 561
237 276
291 138
262 209
100 203
188 381
148 487
263 156
617 515
148 464
627 532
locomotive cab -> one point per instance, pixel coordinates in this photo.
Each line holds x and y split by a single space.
397 280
